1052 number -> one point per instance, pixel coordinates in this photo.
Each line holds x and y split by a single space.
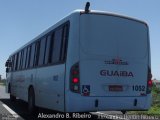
138 88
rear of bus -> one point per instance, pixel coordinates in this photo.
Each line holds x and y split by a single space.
113 71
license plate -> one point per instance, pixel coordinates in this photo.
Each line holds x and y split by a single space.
115 88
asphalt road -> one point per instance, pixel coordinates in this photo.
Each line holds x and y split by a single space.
18 111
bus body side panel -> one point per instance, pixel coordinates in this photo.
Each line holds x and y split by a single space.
20 82
13 83
49 86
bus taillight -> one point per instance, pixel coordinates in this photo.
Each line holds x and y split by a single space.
149 81
74 78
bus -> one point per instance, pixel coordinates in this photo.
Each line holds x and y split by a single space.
88 61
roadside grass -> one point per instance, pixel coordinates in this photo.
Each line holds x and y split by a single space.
155 108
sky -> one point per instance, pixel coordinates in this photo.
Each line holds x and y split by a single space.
23 20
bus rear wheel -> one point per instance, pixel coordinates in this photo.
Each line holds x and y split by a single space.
31 101
123 112
12 98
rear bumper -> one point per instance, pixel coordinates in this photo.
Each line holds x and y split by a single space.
89 104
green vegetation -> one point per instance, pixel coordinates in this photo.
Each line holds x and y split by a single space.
155 109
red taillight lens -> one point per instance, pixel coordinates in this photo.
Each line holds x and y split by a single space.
149 83
75 80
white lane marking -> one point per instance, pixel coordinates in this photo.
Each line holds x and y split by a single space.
104 115
11 111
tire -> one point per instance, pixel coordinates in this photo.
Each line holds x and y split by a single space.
31 102
12 98
123 112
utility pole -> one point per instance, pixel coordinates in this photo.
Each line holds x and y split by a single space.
0 77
